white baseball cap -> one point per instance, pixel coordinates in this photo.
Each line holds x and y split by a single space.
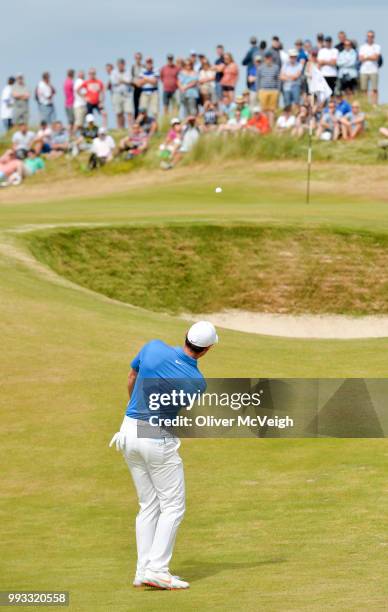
101 130
89 118
202 334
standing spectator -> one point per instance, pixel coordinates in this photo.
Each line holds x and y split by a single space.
302 53
207 78
291 77
219 65
45 93
21 97
320 41
340 46
121 93
93 91
109 69
347 68
370 58
188 86
252 79
148 81
268 86
249 58
230 75
169 77
307 47
195 59
68 90
7 104
79 100
275 50
327 61
136 69
22 140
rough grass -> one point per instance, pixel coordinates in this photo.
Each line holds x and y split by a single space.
209 268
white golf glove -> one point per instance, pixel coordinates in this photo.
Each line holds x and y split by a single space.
119 440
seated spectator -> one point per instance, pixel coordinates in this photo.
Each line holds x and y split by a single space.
171 144
291 77
59 140
347 68
384 132
102 149
210 116
244 108
353 123
43 140
259 123
11 171
227 107
85 136
135 143
190 136
147 123
286 121
22 140
342 106
234 123
33 164
302 122
329 125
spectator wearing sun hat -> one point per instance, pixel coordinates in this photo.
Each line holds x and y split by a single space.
291 77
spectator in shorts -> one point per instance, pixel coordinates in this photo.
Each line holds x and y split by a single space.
327 62
102 149
268 86
43 139
7 102
219 67
45 93
147 123
79 101
259 123
302 122
169 77
93 91
207 82
22 140
230 76
370 58
136 69
347 68
188 80
291 77
68 90
148 80
21 97
59 140
249 59
120 80
353 123
135 143
329 125
286 121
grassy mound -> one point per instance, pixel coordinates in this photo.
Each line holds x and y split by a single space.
209 268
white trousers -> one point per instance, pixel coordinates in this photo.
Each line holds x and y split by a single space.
157 471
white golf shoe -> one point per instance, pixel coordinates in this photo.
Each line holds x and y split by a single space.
164 581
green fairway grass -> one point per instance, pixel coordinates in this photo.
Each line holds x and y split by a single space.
275 525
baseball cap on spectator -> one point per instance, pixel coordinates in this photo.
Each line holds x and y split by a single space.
239 99
253 40
258 58
102 130
148 60
19 75
89 118
268 54
298 42
328 39
256 109
293 53
175 120
193 52
170 56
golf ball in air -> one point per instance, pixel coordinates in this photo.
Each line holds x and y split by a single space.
218 189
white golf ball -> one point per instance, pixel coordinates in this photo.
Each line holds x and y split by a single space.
218 189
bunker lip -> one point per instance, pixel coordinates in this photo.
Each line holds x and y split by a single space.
330 327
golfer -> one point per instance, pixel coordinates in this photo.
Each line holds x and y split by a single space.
154 461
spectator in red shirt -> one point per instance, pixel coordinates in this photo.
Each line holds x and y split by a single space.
169 77
259 122
93 91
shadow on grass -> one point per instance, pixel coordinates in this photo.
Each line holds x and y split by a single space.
194 570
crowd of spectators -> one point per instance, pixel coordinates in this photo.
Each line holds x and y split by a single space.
201 94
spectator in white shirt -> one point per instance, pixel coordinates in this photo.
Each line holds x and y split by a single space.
22 141
102 149
327 62
45 93
120 82
286 121
79 102
370 58
7 104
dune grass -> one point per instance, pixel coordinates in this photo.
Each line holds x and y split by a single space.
209 268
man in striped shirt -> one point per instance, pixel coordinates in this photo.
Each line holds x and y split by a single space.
268 86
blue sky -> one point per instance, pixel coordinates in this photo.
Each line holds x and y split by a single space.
40 35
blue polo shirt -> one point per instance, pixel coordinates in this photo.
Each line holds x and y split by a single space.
162 368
